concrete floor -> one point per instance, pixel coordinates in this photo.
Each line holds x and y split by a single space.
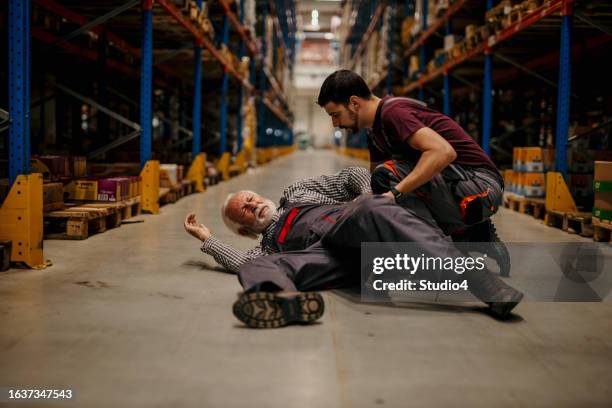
139 317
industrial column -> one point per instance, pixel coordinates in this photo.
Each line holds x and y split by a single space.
447 95
563 93
224 88
425 4
196 141
262 78
241 93
19 88
487 97
146 82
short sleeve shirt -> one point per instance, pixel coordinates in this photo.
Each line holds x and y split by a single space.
399 118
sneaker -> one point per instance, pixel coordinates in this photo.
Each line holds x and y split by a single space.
267 310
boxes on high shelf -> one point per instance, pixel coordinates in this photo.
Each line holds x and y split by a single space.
78 166
532 184
56 166
450 41
602 206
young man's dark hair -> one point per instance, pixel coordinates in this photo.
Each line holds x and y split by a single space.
340 86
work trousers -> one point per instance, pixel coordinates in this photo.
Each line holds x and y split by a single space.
455 199
333 259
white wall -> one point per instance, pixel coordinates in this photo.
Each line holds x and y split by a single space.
309 117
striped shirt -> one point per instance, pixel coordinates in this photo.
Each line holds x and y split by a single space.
341 187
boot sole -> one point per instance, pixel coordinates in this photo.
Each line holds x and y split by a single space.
267 310
501 310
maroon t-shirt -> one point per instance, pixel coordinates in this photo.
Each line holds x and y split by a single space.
399 118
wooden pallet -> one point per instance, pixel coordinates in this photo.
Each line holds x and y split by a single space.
169 195
79 221
525 205
570 222
602 230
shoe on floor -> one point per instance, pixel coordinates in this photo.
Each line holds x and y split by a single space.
501 307
267 310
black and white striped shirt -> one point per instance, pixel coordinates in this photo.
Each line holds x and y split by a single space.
341 187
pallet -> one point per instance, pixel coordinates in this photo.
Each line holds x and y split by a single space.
525 205
602 230
79 221
169 195
570 222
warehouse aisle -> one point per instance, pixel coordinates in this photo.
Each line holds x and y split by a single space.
138 316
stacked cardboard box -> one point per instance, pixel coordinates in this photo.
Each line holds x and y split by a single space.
602 206
530 165
111 189
170 175
59 168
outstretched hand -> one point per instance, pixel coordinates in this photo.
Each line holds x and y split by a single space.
196 230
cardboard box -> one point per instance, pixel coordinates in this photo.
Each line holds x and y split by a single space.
548 157
53 196
533 184
53 167
109 190
123 184
603 186
81 190
531 159
78 166
168 175
510 184
516 158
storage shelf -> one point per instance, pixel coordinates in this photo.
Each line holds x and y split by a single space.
485 46
202 41
368 33
242 31
435 27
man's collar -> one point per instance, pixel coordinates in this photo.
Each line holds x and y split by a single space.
376 124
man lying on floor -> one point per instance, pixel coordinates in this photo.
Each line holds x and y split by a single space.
312 241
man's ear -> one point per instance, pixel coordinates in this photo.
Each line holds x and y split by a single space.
353 103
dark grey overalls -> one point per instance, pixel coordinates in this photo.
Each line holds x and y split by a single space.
319 245
458 197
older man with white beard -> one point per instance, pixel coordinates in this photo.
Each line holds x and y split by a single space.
312 241
248 214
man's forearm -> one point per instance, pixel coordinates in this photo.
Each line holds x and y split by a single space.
430 164
227 256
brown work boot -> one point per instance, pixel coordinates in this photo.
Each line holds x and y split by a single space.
267 310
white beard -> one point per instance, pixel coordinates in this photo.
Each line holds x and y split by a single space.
263 220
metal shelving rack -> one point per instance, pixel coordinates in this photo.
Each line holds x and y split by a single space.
484 53
160 72
21 214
